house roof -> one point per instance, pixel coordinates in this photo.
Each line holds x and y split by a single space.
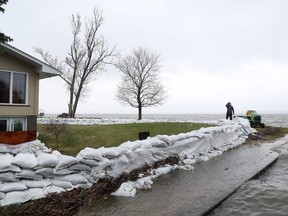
43 69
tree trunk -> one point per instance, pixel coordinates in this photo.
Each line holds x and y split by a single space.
70 108
139 112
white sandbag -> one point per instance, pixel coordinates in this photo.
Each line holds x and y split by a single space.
14 168
62 184
163 170
126 189
111 152
6 161
75 179
89 162
12 186
64 171
36 184
56 153
47 160
143 183
158 143
17 197
80 167
2 195
89 177
131 145
91 153
25 160
46 172
53 189
6 164
101 166
65 161
8 177
28 174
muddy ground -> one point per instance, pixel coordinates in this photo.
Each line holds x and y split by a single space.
68 203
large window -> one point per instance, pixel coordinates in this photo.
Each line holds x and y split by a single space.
13 87
13 124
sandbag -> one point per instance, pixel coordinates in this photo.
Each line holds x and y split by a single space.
46 172
12 186
65 161
64 171
16 197
62 184
111 152
53 189
25 160
36 184
80 167
126 189
6 161
73 178
8 177
28 174
91 153
47 160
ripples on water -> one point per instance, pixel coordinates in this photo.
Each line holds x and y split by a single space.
265 196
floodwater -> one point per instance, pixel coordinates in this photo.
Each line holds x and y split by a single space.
265 196
185 192
190 193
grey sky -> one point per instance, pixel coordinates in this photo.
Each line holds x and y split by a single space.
213 51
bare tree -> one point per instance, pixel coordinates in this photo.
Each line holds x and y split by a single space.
140 86
55 128
86 58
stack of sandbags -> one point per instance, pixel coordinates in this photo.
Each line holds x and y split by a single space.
31 172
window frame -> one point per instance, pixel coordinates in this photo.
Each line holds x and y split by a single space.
11 87
11 123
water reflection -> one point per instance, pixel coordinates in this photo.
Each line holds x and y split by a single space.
265 196
184 192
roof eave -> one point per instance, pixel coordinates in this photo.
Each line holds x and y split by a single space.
44 70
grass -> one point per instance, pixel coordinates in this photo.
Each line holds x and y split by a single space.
272 133
78 137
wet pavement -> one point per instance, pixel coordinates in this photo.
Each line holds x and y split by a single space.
264 196
192 192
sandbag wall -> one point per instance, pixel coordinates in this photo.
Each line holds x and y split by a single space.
30 171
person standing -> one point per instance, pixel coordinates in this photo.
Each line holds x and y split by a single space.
230 111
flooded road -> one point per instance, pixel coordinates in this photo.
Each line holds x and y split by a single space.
190 192
265 196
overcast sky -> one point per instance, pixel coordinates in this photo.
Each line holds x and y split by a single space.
213 51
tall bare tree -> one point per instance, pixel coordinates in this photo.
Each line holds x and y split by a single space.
140 86
86 58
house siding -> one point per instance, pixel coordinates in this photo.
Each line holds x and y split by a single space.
30 110
10 63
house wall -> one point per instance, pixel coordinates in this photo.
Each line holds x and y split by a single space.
11 63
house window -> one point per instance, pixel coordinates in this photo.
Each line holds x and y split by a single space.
3 125
4 87
13 124
13 87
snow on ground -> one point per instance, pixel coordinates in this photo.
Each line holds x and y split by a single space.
30 170
103 121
